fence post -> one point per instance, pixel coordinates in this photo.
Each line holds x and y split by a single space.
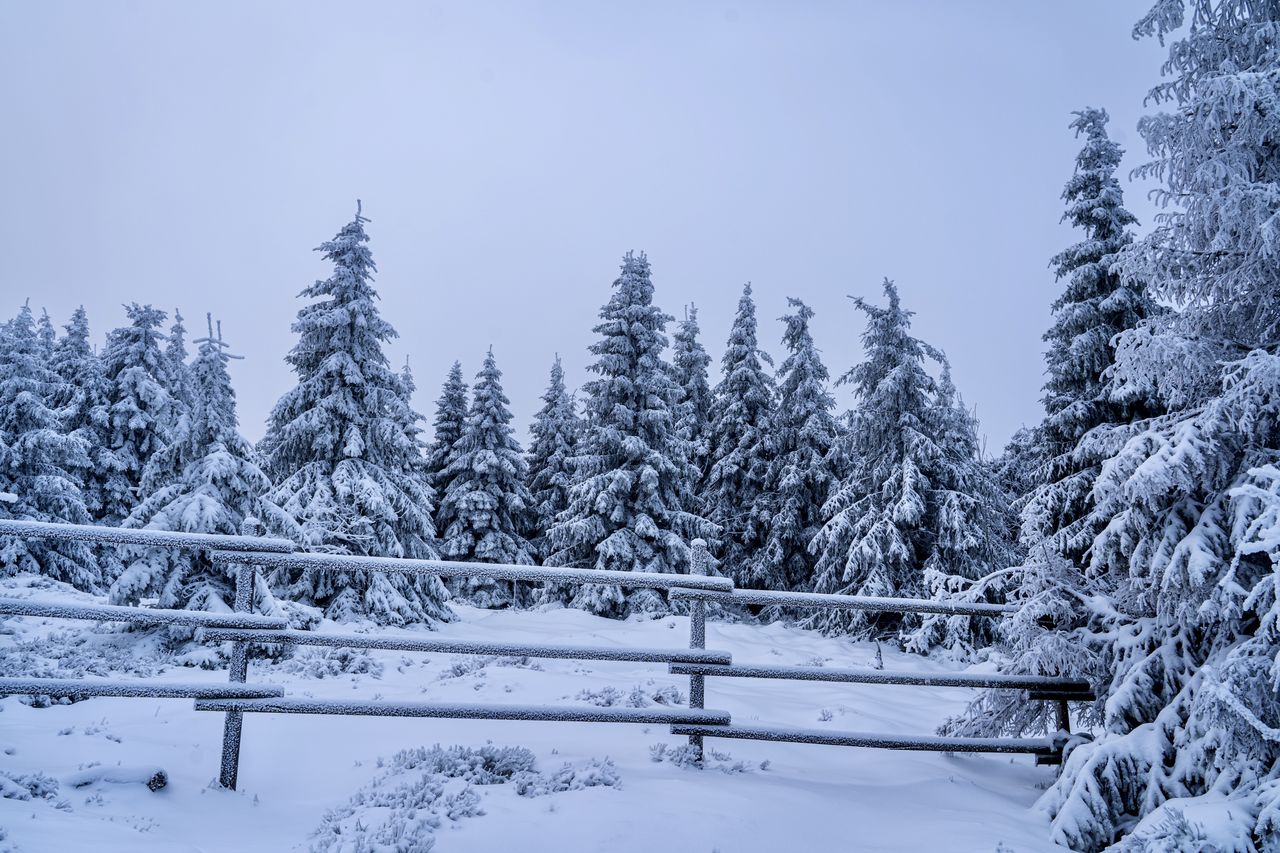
1064 716
233 725
699 564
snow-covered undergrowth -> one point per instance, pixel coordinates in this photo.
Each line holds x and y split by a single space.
424 788
308 782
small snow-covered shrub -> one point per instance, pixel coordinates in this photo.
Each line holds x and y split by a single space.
640 696
331 662
28 786
596 773
687 755
400 809
476 664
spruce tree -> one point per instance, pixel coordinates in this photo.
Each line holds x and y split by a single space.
450 420
217 489
877 525
554 441
347 473
81 400
39 462
1096 305
740 436
800 475
167 465
487 497
46 336
689 363
139 406
973 535
625 508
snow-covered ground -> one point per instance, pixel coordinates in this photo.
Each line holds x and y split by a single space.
295 769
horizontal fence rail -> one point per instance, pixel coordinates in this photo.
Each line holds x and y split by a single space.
825 601
48 531
472 647
924 743
1040 687
135 689
466 711
493 571
137 615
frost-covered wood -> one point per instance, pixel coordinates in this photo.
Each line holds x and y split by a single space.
136 615
472 647
134 689
817 600
449 568
930 743
1069 687
121 536
468 711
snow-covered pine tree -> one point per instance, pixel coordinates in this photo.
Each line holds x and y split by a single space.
1095 306
40 464
139 405
689 363
554 441
218 488
625 508
878 528
451 417
80 399
487 498
1187 504
800 476
974 530
168 465
347 474
47 336
740 438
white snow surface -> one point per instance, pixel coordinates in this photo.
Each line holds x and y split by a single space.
295 768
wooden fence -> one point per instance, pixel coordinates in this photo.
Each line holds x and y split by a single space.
246 555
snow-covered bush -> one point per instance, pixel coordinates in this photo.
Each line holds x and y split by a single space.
421 788
329 662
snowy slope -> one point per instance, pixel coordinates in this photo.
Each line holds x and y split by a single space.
295 768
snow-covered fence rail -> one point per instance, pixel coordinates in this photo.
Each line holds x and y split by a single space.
824 601
472 647
137 615
1060 690
127 536
492 571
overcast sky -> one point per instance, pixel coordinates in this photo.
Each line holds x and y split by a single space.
193 154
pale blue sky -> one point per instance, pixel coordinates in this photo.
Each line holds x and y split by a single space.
193 154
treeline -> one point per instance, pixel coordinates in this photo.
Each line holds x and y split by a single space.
890 498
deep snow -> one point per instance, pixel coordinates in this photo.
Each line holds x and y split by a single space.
297 767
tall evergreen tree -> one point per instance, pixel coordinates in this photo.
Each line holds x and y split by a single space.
347 473
741 444
81 399
877 526
139 405
554 443
39 462
973 536
1095 307
450 419
218 488
800 475
167 465
487 497
625 508
47 336
689 363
